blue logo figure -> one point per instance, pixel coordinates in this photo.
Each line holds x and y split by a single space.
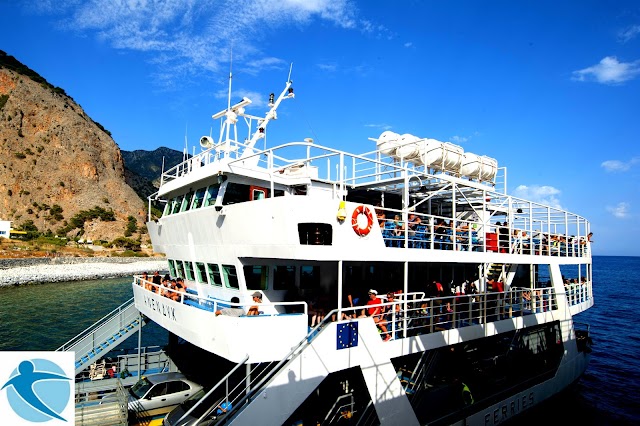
38 390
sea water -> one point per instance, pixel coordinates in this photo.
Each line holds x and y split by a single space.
45 316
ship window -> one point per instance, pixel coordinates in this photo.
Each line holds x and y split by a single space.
189 268
284 277
256 277
198 198
176 203
309 277
186 201
167 208
214 274
278 193
201 272
236 193
315 234
231 276
258 193
211 195
180 269
172 268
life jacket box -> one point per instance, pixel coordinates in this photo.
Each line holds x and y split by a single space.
492 241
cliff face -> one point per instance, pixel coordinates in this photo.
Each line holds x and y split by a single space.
52 153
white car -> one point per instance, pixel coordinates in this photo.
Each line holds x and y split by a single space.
160 393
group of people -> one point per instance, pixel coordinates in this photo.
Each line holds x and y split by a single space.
172 288
384 316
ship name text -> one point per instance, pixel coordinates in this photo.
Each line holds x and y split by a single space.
510 409
165 310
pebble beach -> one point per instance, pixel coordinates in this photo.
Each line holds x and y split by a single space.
45 270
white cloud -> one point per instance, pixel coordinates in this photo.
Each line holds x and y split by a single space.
327 67
608 71
619 166
459 139
544 194
187 37
621 210
408 44
381 126
628 33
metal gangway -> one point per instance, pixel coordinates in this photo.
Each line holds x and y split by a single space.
104 335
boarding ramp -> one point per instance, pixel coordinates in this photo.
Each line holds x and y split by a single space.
104 335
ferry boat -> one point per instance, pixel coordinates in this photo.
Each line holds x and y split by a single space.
402 285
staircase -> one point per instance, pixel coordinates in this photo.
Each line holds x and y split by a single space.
495 271
104 335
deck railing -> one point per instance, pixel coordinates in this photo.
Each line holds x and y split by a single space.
473 235
530 227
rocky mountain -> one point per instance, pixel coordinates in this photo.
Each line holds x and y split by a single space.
60 171
143 168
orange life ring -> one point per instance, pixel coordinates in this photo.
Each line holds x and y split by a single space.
362 232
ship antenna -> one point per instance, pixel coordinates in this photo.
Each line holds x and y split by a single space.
185 153
230 78
290 69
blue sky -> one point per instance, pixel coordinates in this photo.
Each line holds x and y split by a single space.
551 89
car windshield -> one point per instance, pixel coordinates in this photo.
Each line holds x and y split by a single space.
141 387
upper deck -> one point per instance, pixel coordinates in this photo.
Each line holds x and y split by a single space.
478 214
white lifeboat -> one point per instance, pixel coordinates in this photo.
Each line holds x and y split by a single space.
407 147
388 142
479 167
443 156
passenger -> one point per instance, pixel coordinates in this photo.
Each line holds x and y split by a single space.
375 312
412 222
144 279
233 311
494 300
257 298
318 309
397 220
393 308
178 288
380 215
166 284
348 301
157 280
393 313
440 234
112 372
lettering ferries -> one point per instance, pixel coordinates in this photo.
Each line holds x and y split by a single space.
412 250
509 409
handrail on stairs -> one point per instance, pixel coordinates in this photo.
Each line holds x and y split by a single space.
104 334
271 374
95 326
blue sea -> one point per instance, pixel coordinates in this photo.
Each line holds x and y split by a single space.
43 317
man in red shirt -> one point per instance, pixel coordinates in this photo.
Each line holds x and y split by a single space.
376 312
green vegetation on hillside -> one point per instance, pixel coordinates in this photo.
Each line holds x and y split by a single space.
77 221
9 62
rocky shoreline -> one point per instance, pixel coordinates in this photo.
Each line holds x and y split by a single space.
57 269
